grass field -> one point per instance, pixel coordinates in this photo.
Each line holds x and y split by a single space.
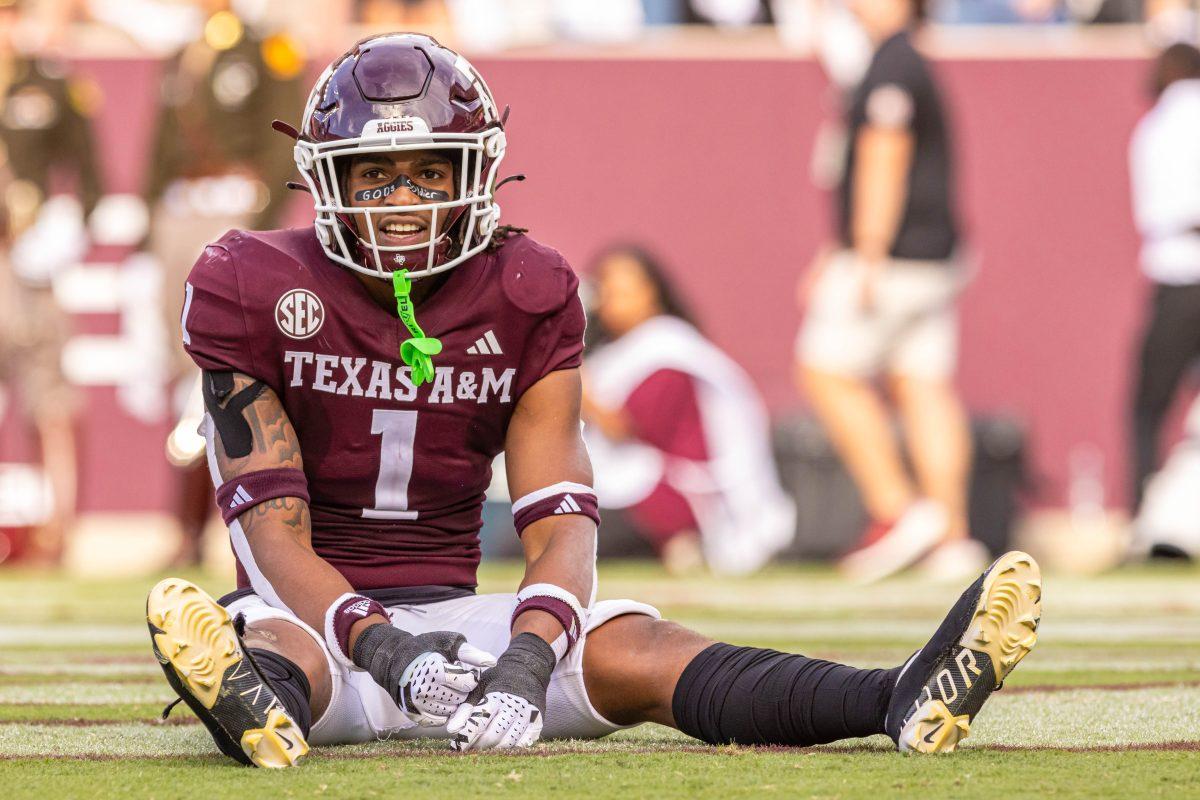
1107 706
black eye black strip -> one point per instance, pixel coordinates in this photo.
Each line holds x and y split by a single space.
381 192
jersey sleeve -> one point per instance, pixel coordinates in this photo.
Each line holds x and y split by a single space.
564 336
214 323
541 285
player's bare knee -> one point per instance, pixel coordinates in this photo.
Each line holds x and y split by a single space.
294 643
632 663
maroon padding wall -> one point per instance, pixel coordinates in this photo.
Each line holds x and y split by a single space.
708 162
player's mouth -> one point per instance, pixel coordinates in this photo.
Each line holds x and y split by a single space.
402 230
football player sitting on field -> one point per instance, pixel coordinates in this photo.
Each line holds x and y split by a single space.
359 378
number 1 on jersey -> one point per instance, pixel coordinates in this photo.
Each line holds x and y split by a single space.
399 432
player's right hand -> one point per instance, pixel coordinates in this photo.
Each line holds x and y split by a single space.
428 675
508 707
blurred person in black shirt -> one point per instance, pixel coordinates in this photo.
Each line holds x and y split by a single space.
882 306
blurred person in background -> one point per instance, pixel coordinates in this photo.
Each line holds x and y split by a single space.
216 165
882 306
679 434
1164 166
44 137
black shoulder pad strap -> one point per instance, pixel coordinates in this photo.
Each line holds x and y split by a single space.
226 411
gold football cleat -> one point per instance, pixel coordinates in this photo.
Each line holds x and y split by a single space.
201 653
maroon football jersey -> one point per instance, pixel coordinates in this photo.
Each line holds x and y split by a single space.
396 473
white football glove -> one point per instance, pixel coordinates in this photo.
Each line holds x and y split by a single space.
508 706
432 687
502 721
428 675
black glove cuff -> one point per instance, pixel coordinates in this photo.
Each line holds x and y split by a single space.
380 649
529 653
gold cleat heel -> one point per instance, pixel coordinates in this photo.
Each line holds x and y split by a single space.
196 639
277 745
1006 618
934 729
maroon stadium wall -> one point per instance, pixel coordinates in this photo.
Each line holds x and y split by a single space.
708 162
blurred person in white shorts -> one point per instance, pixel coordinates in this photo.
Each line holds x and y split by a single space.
881 306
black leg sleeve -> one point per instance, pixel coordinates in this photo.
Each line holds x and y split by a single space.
749 695
289 683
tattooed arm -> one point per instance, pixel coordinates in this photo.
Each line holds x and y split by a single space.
427 675
280 531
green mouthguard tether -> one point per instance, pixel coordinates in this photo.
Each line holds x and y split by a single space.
418 351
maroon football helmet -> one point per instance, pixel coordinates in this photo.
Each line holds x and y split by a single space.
391 93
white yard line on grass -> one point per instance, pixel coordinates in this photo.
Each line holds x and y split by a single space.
73 636
87 694
35 670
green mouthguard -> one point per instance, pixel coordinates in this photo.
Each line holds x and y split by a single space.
416 352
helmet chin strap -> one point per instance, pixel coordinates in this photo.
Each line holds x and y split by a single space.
417 352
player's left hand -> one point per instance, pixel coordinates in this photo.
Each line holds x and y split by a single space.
508 706
428 675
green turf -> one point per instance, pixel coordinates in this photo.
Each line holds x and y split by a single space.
723 774
1107 706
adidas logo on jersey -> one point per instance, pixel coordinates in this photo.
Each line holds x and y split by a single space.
568 506
240 497
486 345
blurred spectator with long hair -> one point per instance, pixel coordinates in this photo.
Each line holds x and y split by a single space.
44 132
1164 165
216 165
882 305
677 432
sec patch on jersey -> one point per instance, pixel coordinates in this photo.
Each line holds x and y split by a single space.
299 314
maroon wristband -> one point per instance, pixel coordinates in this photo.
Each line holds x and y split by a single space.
240 494
556 608
348 610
